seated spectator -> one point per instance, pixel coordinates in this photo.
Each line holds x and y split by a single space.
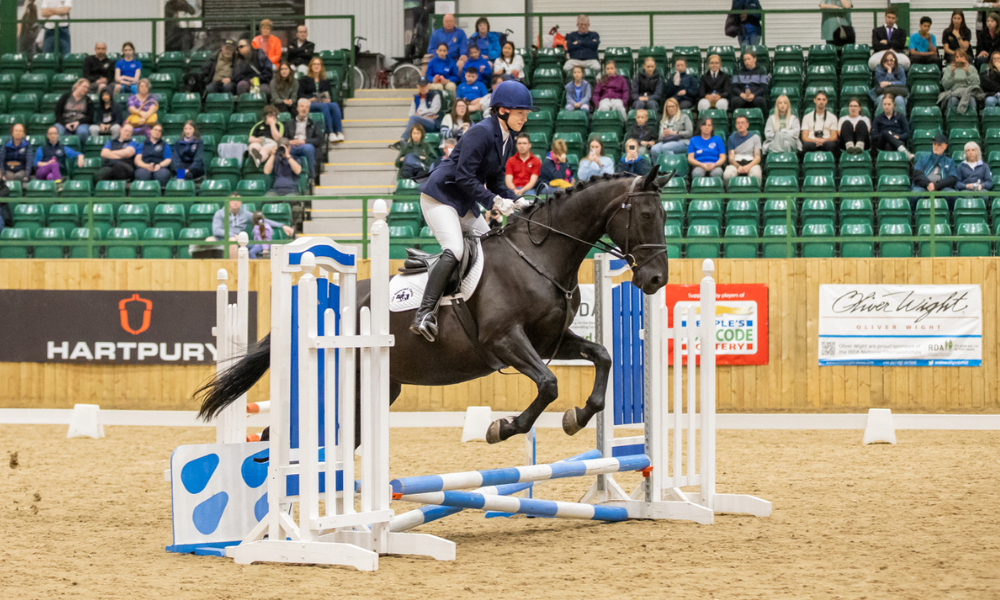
442 71
706 151
749 87
300 50
744 152
75 111
153 158
189 154
484 102
819 127
647 87
889 38
835 26
285 169
782 131
262 232
988 39
471 90
455 124
676 130
128 70
890 78
285 89
253 71
482 65
98 69
990 82
509 62
415 156
578 92
239 219
595 163
890 131
108 115
487 42
715 86
118 157
265 134
424 111
50 158
956 37
611 91
581 46
934 171
556 173
16 156
959 85
854 129
749 30
269 44
447 147
217 72
307 136
142 108
973 174
632 161
316 87
451 36
923 45
643 131
681 86
523 168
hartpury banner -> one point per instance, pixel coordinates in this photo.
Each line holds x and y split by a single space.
107 327
740 321
901 325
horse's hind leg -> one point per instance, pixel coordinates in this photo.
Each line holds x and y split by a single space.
516 350
575 347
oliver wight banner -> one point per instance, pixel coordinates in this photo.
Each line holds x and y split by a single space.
901 325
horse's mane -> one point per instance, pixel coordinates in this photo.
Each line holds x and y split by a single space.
583 185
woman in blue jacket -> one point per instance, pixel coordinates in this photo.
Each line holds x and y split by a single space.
471 176
973 174
487 41
189 153
442 72
16 156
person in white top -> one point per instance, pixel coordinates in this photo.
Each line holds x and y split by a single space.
782 130
509 62
50 12
855 129
819 127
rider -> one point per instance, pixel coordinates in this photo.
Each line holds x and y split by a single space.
472 176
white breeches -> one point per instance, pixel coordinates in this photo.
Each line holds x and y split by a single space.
448 227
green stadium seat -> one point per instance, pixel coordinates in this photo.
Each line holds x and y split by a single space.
92 148
148 62
992 140
781 184
895 248
892 163
405 214
782 164
8 83
737 248
49 234
974 247
940 247
174 63
659 54
173 123
819 184
924 74
742 212
787 75
923 140
216 188
926 117
893 183
18 238
707 185
279 211
821 212
211 124
816 248
856 164
14 189
136 216
744 185
812 90
221 102
170 216
754 117
690 54
576 121
720 121
675 211
923 94
957 120
676 185
540 142
186 103
179 188
91 165
957 138
702 249
40 189
779 248
776 212
794 93
894 211
672 233
856 211
81 235
821 74
14 63
855 54
397 249
991 118
546 99
121 234
539 122
612 143
252 188
66 216
550 56
103 216
674 163
151 249
856 184
705 212
851 248
938 206
201 215
29 216
968 210
251 103
48 102
607 120
242 122
74 62
855 74
407 189
193 234
33 82
788 55
163 83
24 102
63 82
144 189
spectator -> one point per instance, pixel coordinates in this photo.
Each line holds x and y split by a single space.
890 78
239 219
217 72
611 91
782 130
934 171
128 70
471 89
509 62
706 152
956 37
98 68
452 37
854 129
990 82
556 171
484 103
16 156
265 134
595 163
523 168
749 32
153 158
415 157
253 72
960 85
425 111
632 161
487 42
53 12
973 174
836 25
455 124
582 45
988 39
481 64
285 168
681 86
189 154
819 127
142 108
117 157
307 136
50 157
676 130
744 152
442 71
749 86
285 89
108 115
890 131
447 147
262 232
923 45
578 92
269 44
316 87
889 37
714 89
647 87
300 50
75 111
643 131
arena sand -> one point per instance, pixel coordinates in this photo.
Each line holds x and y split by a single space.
89 519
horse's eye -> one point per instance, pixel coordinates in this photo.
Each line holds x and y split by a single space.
647 216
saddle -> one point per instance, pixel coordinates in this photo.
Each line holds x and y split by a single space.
418 261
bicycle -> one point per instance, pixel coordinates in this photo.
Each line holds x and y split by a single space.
359 76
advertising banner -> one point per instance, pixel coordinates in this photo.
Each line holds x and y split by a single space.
740 320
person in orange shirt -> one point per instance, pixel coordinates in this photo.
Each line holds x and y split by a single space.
270 44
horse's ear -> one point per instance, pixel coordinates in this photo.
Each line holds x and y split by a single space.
664 180
649 184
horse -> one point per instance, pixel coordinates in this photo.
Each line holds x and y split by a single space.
526 299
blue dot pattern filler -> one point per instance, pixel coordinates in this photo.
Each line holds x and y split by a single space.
196 474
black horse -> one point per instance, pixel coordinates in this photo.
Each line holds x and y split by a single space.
525 302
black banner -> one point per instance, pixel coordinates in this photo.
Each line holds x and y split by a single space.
286 14
123 327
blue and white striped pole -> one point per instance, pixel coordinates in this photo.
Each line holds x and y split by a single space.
524 506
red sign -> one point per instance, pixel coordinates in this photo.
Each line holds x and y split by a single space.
740 320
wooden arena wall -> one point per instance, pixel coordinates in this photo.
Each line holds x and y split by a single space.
791 382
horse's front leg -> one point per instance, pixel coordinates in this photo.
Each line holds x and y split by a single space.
515 349
575 347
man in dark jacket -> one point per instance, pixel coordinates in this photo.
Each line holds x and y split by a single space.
681 86
255 65
98 69
217 72
305 136
714 89
300 50
889 37
934 172
749 87
75 111
581 47
647 88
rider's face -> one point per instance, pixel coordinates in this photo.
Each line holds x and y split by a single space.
517 119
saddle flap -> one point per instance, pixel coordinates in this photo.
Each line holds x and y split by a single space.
418 261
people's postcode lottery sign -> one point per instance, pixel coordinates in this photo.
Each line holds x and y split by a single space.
740 320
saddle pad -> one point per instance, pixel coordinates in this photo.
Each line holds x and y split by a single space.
406 291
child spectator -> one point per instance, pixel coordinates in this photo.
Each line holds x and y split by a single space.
578 92
456 123
128 70
509 62
556 171
442 70
632 161
595 163
643 131
482 65
262 232
611 92
471 89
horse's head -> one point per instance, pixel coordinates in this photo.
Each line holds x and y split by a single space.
636 227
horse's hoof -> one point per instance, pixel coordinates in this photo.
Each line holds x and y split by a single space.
570 425
493 435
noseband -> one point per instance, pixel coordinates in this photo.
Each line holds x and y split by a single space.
628 253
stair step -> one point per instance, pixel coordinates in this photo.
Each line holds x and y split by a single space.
362 134
359 112
391 101
368 144
359 178
350 154
355 190
344 167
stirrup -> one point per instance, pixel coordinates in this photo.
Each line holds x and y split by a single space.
426 326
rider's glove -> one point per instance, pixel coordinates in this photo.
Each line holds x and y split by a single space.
504 205
522 203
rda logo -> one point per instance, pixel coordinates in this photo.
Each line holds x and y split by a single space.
403 295
945 347
146 314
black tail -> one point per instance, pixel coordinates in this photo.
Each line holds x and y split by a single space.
224 389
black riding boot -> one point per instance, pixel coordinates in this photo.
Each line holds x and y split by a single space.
425 321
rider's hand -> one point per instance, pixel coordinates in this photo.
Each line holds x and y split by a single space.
504 205
522 203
